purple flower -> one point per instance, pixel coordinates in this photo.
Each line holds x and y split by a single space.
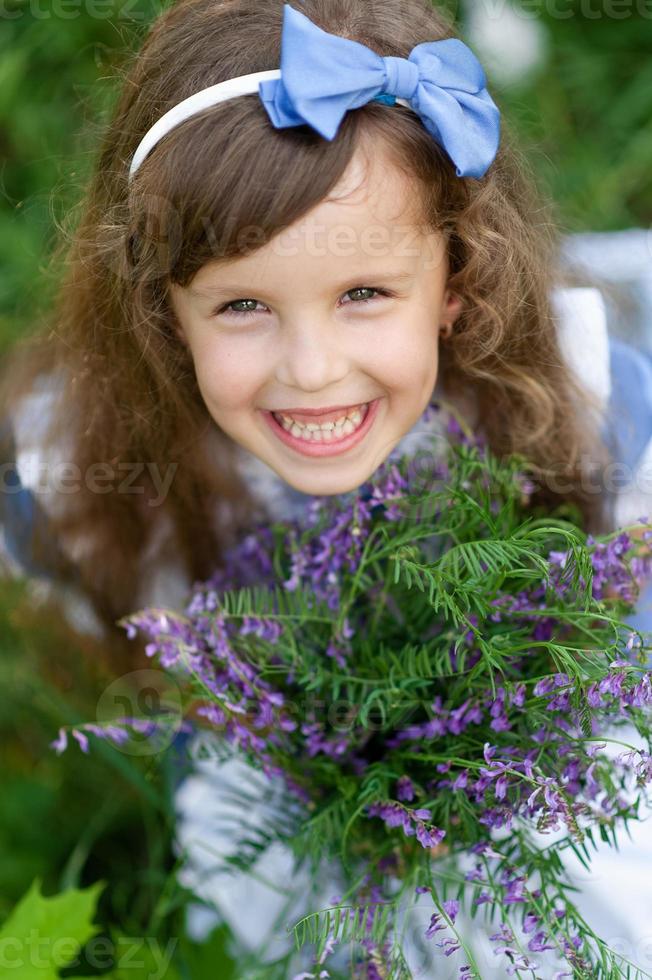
504 934
436 925
450 946
60 744
422 814
500 788
451 908
429 838
538 943
405 789
82 739
461 781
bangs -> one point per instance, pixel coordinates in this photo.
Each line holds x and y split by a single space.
226 182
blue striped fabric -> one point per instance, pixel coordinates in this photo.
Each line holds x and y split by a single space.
628 431
630 407
19 510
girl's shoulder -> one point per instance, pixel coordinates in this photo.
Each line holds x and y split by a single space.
36 487
619 374
584 338
629 431
29 462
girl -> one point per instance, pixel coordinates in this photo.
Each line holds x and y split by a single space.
135 406
345 237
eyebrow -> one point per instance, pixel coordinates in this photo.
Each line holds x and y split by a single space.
351 283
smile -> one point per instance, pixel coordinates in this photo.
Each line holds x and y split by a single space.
328 439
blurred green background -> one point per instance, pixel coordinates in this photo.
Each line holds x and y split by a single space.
575 85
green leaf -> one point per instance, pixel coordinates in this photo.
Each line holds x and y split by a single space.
209 960
151 958
147 959
42 935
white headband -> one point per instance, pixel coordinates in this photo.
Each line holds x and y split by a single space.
208 97
205 99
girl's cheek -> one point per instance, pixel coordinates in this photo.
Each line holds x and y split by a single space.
229 374
407 361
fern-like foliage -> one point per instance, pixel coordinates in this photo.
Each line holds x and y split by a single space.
419 668
345 924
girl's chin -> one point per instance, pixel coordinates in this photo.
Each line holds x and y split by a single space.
325 484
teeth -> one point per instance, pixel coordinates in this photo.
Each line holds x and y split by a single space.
329 432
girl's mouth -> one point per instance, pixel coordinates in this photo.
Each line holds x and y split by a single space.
332 439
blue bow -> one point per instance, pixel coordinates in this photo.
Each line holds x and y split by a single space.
324 76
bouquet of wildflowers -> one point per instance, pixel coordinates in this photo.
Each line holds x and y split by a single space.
438 673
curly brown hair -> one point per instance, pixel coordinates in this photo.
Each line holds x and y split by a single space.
130 394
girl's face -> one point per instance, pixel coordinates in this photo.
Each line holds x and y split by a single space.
341 311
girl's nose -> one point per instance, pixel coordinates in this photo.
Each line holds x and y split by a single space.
311 356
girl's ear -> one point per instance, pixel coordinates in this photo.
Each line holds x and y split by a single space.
453 305
451 309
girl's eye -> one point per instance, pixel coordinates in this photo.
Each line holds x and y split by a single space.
237 302
228 309
366 289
